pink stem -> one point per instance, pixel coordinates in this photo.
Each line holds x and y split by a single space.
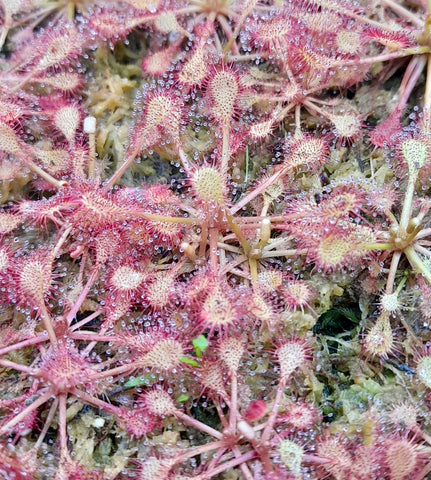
36 404
423 473
315 459
228 31
384 57
86 320
47 424
232 463
80 335
62 424
197 424
119 370
131 154
392 272
216 458
17 366
424 233
274 412
82 296
410 78
94 401
46 320
233 411
213 236
243 467
257 191
24 343
192 452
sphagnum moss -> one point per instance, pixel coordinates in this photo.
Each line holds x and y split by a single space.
186 188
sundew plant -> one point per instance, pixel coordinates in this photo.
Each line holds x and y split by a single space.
215 237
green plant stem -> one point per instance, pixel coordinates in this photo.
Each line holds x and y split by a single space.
70 10
401 285
253 269
427 98
408 200
417 263
377 246
283 253
92 154
237 231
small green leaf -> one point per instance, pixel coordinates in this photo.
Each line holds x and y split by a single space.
139 381
200 344
182 398
189 361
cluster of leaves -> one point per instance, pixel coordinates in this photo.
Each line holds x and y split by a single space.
210 264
